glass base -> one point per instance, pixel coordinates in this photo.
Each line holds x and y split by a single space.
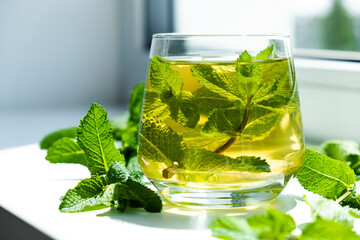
218 199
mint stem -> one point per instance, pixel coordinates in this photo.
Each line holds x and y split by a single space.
232 140
342 197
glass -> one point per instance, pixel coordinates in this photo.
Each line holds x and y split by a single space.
221 124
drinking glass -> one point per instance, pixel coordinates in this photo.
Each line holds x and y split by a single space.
221 123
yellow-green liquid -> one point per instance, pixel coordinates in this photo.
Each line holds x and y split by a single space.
282 146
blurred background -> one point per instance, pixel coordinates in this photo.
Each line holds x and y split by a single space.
59 56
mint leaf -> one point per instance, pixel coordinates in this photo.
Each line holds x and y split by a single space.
245 69
260 124
163 78
347 151
201 159
227 122
329 210
223 122
268 90
219 83
327 230
49 139
233 228
65 150
94 136
136 100
189 109
277 69
135 194
267 53
154 106
272 225
117 173
207 101
89 194
159 142
325 176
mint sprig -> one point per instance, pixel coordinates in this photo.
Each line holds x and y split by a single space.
111 183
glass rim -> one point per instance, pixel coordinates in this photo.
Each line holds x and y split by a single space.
188 35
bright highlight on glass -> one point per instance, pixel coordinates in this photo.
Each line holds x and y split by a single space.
221 124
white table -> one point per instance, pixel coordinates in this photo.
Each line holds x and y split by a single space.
31 187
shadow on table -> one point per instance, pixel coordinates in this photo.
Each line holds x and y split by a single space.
175 217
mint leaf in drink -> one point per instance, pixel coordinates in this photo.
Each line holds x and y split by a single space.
154 106
245 69
223 122
194 160
189 109
271 225
267 53
268 90
89 194
94 136
220 83
260 124
207 101
346 151
329 210
163 78
49 139
66 150
325 176
159 142
327 230
134 194
257 124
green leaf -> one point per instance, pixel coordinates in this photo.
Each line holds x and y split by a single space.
267 53
89 194
207 101
325 176
247 68
163 78
347 151
136 101
327 230
204 160
49 139
226 122
154 106
269 90
135 194
260 124
134 168
129 135
94 137
329 210
65 150
233 228
272 225
117 173
189 109
220 83
159 142
223 122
